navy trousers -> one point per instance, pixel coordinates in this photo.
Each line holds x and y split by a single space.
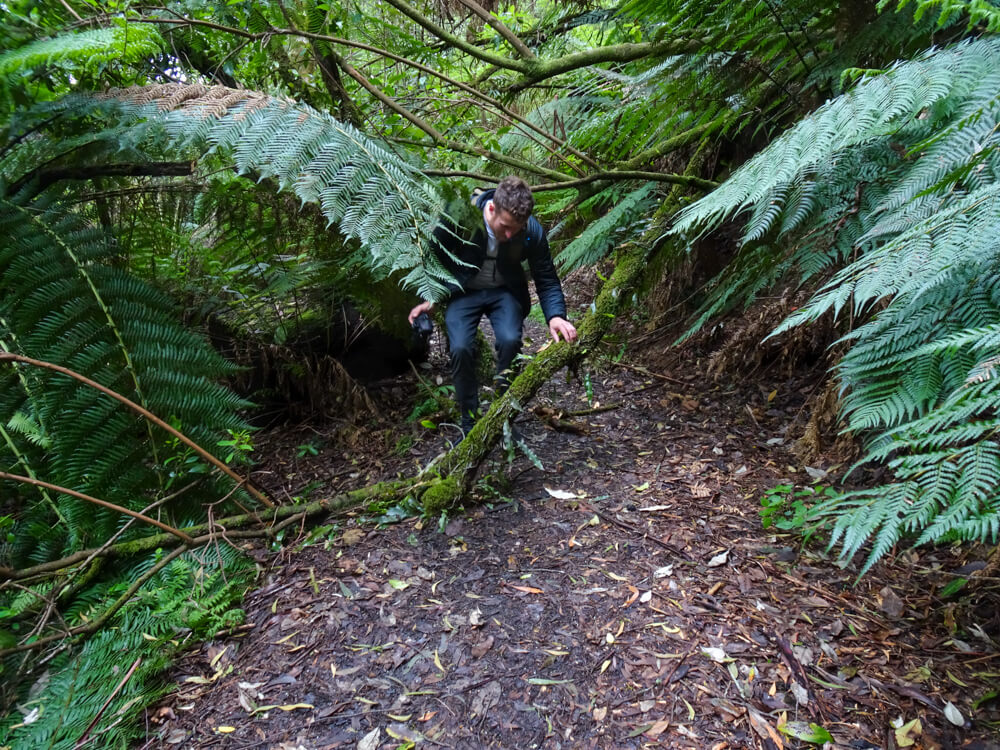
462 320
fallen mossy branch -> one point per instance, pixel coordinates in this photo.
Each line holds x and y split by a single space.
232 527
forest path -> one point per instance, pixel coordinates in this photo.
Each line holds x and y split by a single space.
625 596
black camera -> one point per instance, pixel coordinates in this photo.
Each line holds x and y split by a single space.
423 326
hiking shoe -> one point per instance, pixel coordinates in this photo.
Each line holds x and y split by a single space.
467 424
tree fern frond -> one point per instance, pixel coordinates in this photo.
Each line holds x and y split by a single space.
595 241
973 12
876 108
85 50
54 312
323 161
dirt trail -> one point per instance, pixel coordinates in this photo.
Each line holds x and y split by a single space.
625 596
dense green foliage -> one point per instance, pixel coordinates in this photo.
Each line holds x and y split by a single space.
271 165
901 171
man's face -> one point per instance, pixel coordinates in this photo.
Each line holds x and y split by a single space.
504 225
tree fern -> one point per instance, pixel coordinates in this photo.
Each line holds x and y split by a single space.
594 242
50 311
876 108
189 598
971 12
84 50
920 220
372 195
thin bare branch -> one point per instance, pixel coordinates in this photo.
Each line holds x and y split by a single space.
7 357
97 501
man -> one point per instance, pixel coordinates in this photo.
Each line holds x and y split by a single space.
493 284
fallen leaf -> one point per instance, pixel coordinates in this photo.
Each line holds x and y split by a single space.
719 559
716 654
657 729
352 536
800 693
225 730
371 740
764 729
906 733
889 603
810 732
404 734
641 487
600 713
666 570
476 617
561 494
215 659
952 714
398 585
480 649
528 589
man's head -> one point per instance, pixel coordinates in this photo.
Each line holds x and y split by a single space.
510 209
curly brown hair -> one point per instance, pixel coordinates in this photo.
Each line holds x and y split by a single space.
514 196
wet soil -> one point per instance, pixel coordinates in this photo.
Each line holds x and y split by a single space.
625 595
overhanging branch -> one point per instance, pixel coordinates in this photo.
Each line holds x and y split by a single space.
42 178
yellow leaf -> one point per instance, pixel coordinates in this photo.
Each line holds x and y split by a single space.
605 665
954 679
690 709
771 396
641 487
215 659
397 717
225 730
528 589
437 662
294 706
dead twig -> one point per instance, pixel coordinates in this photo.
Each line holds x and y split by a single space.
86 733
649 373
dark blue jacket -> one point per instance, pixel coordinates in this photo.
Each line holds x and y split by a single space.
468 244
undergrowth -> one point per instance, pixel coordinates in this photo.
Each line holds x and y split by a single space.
91 694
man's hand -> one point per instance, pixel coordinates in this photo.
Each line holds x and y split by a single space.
425 307
562 327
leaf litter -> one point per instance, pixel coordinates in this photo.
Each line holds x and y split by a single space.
643 607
